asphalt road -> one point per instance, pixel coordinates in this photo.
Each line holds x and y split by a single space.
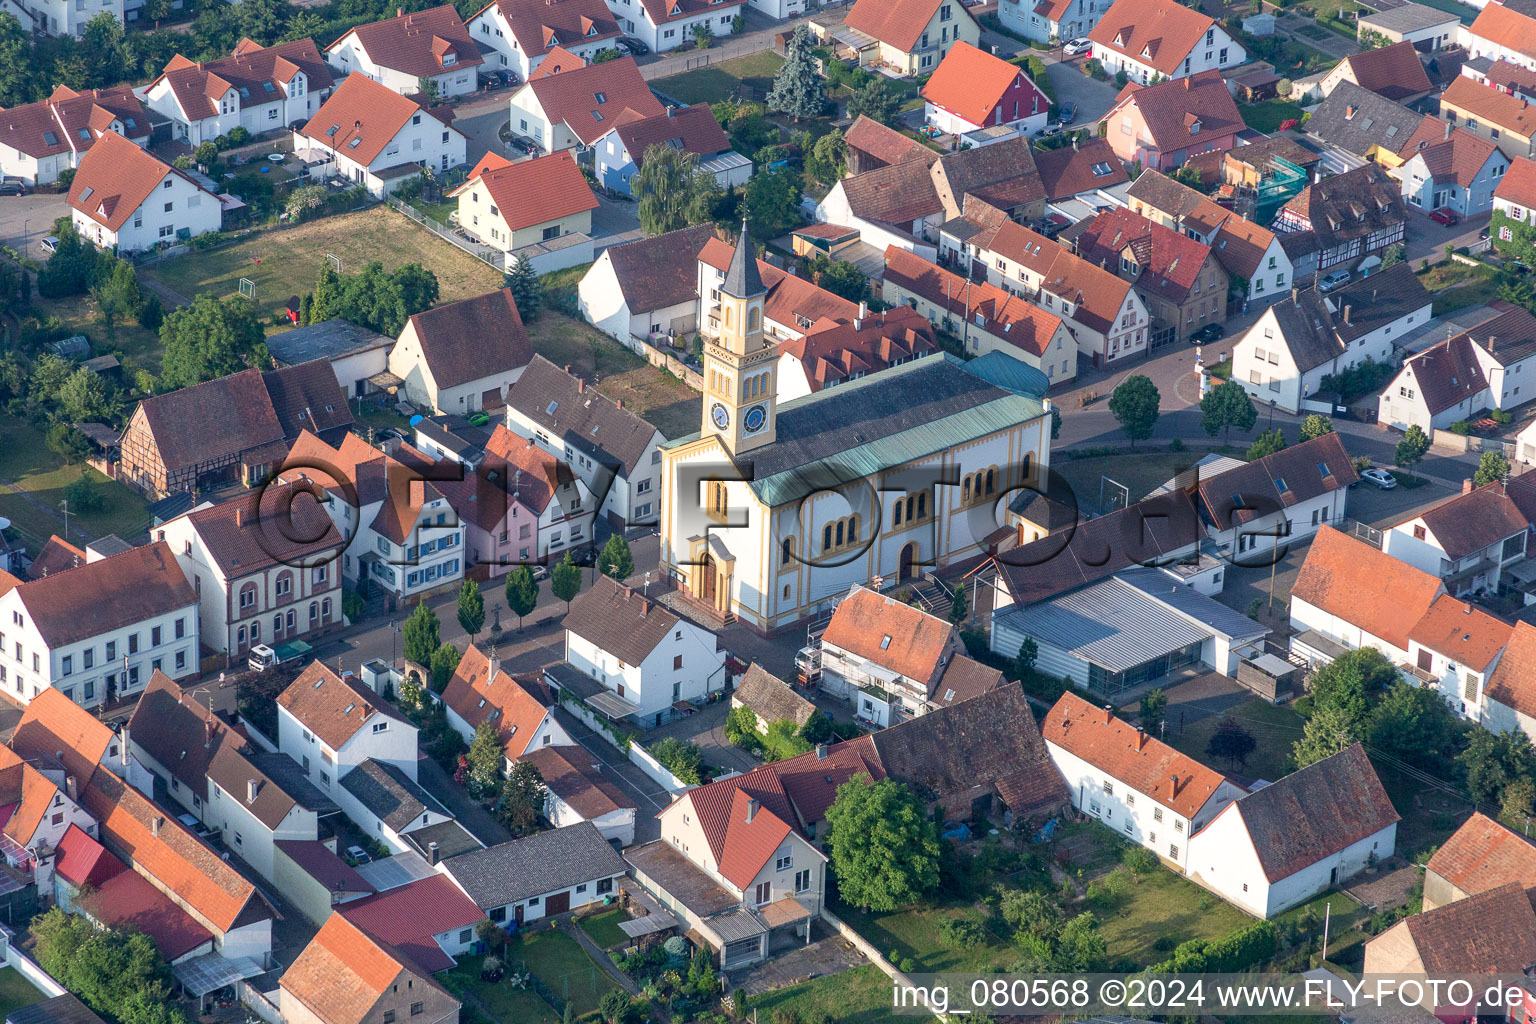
26 220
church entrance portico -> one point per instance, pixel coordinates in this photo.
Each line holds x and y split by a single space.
908 569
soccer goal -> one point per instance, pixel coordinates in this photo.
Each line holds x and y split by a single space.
334 261
247 288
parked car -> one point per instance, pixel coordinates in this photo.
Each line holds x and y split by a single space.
1066 113
1517 267
1050 131
1337 279
389 434
358 854
1446 217
527 147
12 188
51 244
297 124
1077 46
1380 477
1207 334
632 46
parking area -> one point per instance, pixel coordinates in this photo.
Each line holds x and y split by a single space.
26 220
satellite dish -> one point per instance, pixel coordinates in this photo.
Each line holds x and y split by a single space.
5 524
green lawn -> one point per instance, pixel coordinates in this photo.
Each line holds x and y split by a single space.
859 996
1276 730
78 313
1269 115
505 1003
1457 286
26 462
914 933
1164 904
604 927
563 966
717 81
437 211
16 992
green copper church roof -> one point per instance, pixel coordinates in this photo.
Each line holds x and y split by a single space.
847 433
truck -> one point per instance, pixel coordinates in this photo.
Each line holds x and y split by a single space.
263 657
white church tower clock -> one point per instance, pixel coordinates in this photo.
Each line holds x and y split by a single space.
740 364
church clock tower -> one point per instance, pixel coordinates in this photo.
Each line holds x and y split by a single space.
740 364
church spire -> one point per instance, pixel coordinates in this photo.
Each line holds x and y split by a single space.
742 280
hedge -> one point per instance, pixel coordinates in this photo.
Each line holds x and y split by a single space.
1242 950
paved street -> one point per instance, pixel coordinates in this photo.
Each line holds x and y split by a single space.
26 220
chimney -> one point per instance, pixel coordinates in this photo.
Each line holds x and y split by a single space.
618 403
1176 784
237 515
1466 609
154 826
752 806
671 110
251 790
433 856
1295 294
627 592
1348 309
71 788
1466 485
863 310
208 732
1074 143
821 751
581 386
1141 738
1349 112
399 12
645 606
567 367
1109 713
1490 342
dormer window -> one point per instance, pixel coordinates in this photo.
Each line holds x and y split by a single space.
1194 128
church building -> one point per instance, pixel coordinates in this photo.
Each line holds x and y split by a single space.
774 509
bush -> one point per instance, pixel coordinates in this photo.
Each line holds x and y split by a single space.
962 933
1094 68
1239 951
683 759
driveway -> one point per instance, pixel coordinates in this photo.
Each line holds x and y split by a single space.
706 727
647 794
614 222
1093 97
480 125
471 813
26 220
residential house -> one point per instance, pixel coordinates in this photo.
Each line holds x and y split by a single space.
332 724
387 805
893 661
1180 279
1456 646
97 632
405 539
1469 541
576 791
1481 368
269 557
1252 255
620 153
463 356
1164 124
1340 219
792 305
579 106
258 88
668 24
61 18
427 52
373 136
1350 594
1505 120
252 799
871 145
1515 197
1052 19
1509 700
610 448
645 289
1131 782
63 741
1503 31
911 37
1480 855
533 209
38 140
481 691
180 866
1103 313
124 899
834 352
81 863
542 875
123 198
312 877
1280 499
732 866
1394 72
1360 126
35 815
1493 932
1084 167
1286 842
230 429
1450 168
355 353
972 90
985 317
520 33
428 920
770 699
894 204
1148 39
641 652
1511 79
1308 336
1002 174
1427 28
347 976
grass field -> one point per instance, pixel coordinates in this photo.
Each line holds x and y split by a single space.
1267 117
604 927
717 81
859 996
563 966
26 463
285 262
1274 729
1141 472
504 1002
666 402
78 312
16 992
1457 286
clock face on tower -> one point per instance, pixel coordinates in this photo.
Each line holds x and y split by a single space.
721 416
755 419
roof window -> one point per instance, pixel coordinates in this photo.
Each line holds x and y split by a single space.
885 641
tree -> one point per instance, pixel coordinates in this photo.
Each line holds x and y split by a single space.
304 200
49 372
840 277
616 1007
105 968
206 154
1413 724
772 201
1327 732
1226 406
1024 661
522 799
522 592
565 580
471 608
1231 741
1154 708
1315 425
1055 422
71 268
84 396
876 101
1134 404
797 89
144 1006
67 443
1494 761
1491 468
827 161
373 297
670 191
703 35
1392 255
485 758
527 289
117 294
1267 443
740 725
1350 683
445 662
615 559
17 76
1413 447
211 338
885 849
817 728
958 605
1081 947
423 634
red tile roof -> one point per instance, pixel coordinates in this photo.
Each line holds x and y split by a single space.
1491 107
590 99
1157 33
898 23
1173 108
690 129
529 472
792 301
1073 169
971 82
53 726
108 594
477 697
1003 315
453 339
892 634
115 178
534 191
419 43
1451 155
56 555
741 847
70 120
1124 752
1483 854
885 144
367 476
345 971
1169 262
1392 71
365 116
83 861
1518 185
28 792
1493 932
266 528
662 11
832 352
538 28
557 60
332 707
1513 683
200 87
575 776
1506 26
409 916
129 900
1364 586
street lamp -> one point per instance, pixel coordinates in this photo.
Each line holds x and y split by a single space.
394 630
1271 414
